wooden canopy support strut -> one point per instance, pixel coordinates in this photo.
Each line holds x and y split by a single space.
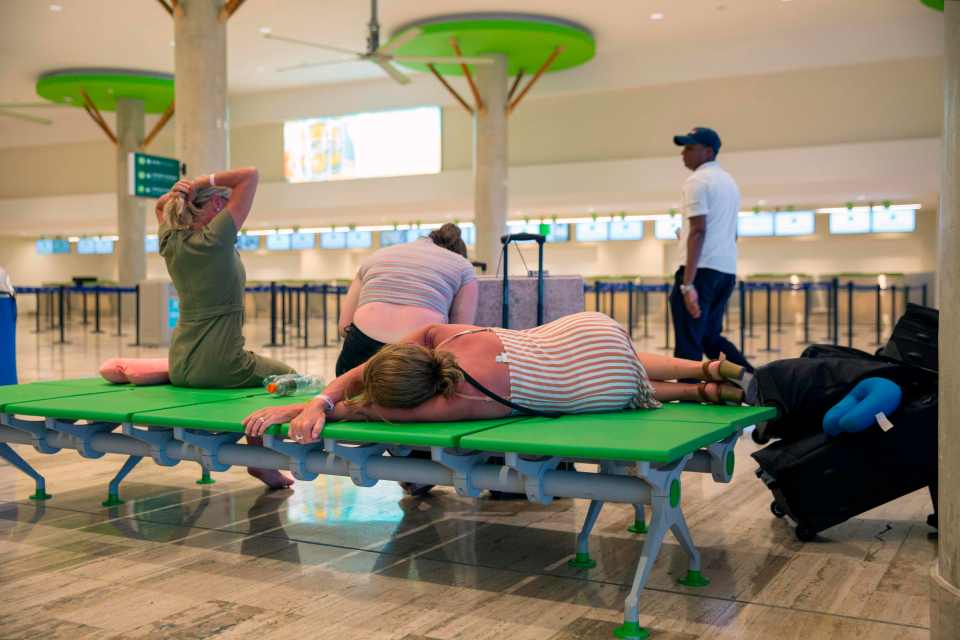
94 113
229 8
466 72
452 91
513 87
543 68
164 119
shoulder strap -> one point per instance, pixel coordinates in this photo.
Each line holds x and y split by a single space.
508 403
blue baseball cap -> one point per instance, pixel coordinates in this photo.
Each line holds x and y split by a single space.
699 135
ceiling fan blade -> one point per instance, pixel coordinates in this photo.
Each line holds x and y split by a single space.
390 70
273 36
24 116
442 59
30 105
310 65
400 40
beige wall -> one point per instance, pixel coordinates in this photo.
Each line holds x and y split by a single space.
861 103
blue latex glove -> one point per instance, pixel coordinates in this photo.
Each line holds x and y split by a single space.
858 410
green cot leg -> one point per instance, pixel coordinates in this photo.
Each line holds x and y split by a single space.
639 520
11 456
113 492
659 524
583 560
205 477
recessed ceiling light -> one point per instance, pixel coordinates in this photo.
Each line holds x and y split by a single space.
56 8
264 30
656 16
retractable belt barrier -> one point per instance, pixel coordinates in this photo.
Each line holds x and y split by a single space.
641 454
772 292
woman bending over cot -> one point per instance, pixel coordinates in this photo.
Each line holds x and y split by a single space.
199 221
582 363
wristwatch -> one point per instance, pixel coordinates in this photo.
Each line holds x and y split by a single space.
687 288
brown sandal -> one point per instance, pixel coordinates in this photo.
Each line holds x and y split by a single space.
709 376
718 397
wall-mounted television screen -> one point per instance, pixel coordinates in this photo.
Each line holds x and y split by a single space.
278 242
392 237
302 240
151 244
626 230
49 246
795 223
359 239
756 225
845 222
894 220
593 231
333 240
248 243
667 227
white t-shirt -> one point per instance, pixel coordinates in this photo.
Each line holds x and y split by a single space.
710 191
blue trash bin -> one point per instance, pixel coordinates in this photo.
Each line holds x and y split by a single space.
8 339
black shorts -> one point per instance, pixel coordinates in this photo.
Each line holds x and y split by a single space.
358 347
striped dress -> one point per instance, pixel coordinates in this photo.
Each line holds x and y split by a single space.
581 363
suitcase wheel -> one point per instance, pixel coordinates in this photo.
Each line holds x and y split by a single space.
759 434
777 510
805 534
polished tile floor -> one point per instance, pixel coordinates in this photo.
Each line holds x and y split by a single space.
330 560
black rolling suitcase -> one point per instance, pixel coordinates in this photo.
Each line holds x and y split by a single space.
521 237
821 481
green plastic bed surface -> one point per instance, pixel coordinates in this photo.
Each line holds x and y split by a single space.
228 416
735 416
121 405
624 435
17 393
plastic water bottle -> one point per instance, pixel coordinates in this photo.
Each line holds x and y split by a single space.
293 384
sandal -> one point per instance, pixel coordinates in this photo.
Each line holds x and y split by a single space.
718 396
742 380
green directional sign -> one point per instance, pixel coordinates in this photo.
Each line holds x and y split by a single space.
151 176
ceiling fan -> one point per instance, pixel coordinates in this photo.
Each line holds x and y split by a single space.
12 110
380 56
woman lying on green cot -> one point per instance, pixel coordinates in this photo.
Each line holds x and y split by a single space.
582 363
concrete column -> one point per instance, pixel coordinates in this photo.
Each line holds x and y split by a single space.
131 212
945 575
490 160
200 82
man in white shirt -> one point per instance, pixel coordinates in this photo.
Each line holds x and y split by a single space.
708 252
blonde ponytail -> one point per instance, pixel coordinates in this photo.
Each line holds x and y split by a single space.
181 214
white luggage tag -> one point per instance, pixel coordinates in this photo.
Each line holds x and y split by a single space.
502 358
884 421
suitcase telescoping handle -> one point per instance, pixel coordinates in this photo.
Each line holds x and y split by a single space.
522 237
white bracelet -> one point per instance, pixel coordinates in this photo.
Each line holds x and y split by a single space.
212 181
327 402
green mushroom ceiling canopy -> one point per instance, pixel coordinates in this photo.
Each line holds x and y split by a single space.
526 40
105 86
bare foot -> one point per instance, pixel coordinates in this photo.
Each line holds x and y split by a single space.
273 478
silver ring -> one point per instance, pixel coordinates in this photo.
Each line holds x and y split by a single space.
261 419
298 438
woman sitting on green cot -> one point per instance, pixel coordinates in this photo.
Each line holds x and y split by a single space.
582 363
199 221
